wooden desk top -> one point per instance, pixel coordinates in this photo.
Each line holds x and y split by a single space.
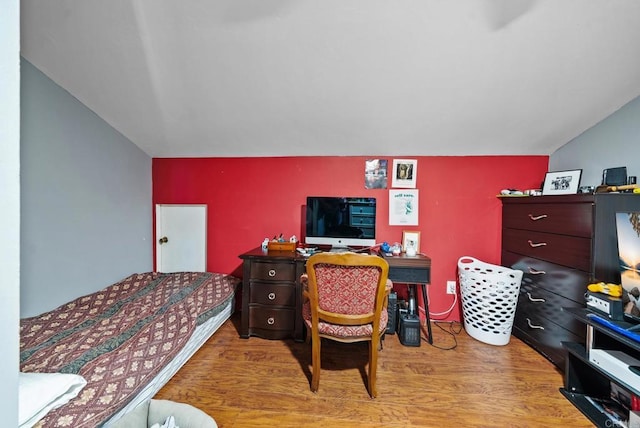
417 261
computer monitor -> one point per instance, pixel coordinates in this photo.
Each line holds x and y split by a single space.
340 221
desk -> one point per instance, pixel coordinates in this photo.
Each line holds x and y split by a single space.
412 271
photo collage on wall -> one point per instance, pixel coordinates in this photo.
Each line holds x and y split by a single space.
403 204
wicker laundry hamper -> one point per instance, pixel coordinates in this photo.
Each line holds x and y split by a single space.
489 298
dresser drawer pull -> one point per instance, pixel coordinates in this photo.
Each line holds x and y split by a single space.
534 326
270 321
537 217
536 244
533 271
272 272
531 299
271 296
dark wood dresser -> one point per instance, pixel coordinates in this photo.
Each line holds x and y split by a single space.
561 243
271 294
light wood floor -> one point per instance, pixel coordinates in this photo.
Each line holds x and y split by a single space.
264 383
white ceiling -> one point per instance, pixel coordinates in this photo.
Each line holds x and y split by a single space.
341 77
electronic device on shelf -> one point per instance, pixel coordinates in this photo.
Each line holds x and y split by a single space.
605 304
618 364
409 329
340 221
628 233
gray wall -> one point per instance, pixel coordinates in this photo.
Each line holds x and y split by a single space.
86 199
10 224
611 143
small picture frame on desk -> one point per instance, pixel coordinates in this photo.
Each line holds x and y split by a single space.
411 240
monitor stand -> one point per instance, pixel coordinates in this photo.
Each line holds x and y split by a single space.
336 249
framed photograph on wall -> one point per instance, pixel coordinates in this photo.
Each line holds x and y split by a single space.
375 174
404 173
411 239
562 182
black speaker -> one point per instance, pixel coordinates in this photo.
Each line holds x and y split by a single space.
392 310
409 330
615 176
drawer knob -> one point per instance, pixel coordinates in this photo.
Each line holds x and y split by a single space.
536 244
533 271
537 217
272 273
271 321
534 326
532 299
272 296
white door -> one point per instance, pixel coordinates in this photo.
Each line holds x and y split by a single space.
181 238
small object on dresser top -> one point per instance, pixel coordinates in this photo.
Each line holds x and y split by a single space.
613 290
512 192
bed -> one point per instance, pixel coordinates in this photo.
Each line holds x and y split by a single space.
125 341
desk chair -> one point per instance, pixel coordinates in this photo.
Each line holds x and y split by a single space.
345 300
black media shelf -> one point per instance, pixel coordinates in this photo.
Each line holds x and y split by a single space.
584 379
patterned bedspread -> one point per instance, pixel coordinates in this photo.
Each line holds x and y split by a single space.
119 338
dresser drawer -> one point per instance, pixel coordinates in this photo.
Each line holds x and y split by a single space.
568 251
362 209
273 294
269 318
277 271
537 303
362 221
545 336
570 283
565 219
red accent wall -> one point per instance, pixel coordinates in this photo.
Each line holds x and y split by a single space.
252 198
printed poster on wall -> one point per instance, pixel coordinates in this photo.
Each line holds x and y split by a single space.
403 207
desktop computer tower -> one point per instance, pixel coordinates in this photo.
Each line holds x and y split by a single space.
392 310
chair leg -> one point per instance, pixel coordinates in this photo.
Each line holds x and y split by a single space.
373 364
315 363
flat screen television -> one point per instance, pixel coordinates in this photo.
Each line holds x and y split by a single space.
628 230
341 222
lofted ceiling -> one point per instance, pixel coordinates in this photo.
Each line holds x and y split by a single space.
194 78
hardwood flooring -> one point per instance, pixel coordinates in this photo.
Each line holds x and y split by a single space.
457 382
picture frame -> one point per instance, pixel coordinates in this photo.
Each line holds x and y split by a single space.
411 238
404 173
562 182
403 207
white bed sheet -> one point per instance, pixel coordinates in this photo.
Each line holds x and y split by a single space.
202 333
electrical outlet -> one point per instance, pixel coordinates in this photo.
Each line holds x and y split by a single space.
451 287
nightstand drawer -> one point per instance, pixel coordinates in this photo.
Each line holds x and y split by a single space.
273 294
269 318
565 219
276 271
568 251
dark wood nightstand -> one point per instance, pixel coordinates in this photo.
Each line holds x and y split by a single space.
272 295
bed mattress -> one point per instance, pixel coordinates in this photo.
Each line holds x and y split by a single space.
125 340
200 336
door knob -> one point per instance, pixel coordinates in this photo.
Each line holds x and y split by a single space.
163 240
